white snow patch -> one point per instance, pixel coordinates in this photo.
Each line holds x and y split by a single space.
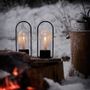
66 67
3 74
56 86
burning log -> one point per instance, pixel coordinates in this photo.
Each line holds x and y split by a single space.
10 60
9 85
13 63
15 81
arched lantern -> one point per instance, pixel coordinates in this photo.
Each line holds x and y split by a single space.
23 37
45 40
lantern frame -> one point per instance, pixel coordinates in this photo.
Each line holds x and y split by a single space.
52 37
30 41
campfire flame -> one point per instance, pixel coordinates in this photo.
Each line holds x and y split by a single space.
30 88
13 85
9 85
15 72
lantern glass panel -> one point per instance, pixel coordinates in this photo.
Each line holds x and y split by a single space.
23 37
45 40
45 37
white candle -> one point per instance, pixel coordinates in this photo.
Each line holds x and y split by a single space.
22 40
45 39
45 42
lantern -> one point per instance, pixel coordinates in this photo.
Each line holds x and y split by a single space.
23 36
45 40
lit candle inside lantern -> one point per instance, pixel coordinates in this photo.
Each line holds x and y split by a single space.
45 43
22 38
45 39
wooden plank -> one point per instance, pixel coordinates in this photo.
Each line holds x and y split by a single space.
80 47
40 69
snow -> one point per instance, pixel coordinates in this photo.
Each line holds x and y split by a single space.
72 83
66 67
3 74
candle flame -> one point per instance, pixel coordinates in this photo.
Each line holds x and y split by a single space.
45 39
22 38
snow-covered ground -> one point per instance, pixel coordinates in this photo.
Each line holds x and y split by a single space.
72 83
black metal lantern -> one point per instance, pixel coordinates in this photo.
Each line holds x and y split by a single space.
45 40
23 36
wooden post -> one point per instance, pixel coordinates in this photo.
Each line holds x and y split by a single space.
80 49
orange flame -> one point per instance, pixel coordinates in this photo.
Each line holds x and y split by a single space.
15 72
13 85
30 88
9 85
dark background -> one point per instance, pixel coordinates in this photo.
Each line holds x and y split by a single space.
7 4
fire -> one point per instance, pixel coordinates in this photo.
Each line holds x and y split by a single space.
15 72
30 88
9 85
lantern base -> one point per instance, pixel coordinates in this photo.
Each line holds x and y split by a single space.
24 50
45 54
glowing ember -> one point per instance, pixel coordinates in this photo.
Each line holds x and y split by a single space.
30 88
15 72
9 85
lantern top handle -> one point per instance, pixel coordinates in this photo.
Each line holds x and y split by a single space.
46 22
23 22
52 36
30 30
